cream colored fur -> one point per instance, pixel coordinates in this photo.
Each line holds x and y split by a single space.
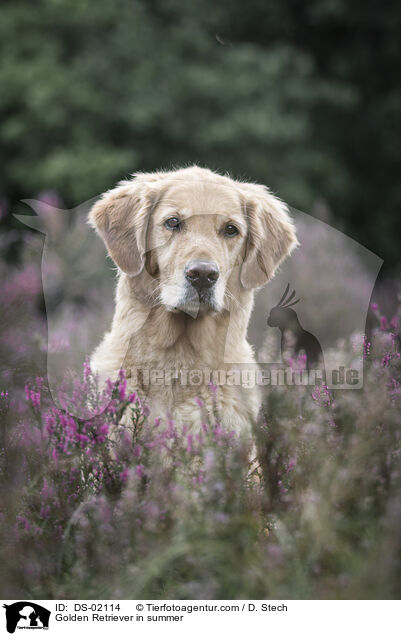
154 327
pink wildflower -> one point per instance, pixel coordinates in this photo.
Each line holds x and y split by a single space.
124 475
383 323
122 389
291 464
140 470
87 369
189 447
137 451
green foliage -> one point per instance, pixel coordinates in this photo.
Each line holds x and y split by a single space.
299 96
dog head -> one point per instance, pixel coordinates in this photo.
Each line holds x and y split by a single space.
199 239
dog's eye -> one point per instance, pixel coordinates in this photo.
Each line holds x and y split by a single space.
173 223
230 230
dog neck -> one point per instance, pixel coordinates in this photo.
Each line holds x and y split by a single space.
150 330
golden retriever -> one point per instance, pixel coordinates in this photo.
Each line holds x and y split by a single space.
191 247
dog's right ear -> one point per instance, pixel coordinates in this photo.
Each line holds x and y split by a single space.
121 219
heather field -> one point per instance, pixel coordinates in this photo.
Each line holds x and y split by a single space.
98 508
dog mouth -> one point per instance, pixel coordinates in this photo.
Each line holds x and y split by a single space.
206 298
194 302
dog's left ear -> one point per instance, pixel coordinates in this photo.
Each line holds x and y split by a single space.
271 235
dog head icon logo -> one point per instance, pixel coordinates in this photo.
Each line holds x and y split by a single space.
26 614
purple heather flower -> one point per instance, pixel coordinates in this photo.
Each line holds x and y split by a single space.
385 360
122 390
140 470
145 409
87 369
189 447
383 323
124 475
298 363
171 432
44 512
291 464
24 522
366 347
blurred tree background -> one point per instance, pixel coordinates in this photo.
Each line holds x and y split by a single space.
302 96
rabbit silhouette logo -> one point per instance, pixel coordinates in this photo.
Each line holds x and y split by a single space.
294 338
26 615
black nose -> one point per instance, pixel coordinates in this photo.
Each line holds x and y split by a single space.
201 274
